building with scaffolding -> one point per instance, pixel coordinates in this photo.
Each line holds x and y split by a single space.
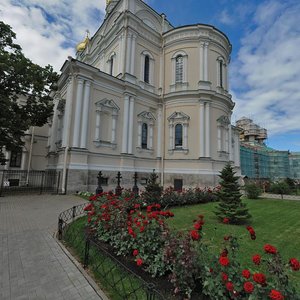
260 162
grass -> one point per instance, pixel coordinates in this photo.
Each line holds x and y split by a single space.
108 275
275 222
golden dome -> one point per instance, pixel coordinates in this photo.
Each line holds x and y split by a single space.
82 45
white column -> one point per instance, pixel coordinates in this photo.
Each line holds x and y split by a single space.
202 133
205 62
131 120
85 115
128 54
171 137
23 160
139 134
151 72
159 128
125 124
97 127
150 136
207 129
77 119
237 151
53 132
133 38
185 67
201 61
230 143
219 138
121 54
113 128
185 136
173 61
227 139
65 133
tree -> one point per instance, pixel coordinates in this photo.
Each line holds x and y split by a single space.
153 190
230 207
20 77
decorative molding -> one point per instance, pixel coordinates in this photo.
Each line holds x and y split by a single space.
110 104
223 120
178 116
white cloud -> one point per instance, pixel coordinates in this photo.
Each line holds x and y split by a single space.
265 78
48 30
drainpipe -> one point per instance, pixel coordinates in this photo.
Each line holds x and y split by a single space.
67 148
163 106
30 156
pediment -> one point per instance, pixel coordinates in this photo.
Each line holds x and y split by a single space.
107 104
146 115
178 116
224 120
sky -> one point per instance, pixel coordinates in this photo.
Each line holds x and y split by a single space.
265 60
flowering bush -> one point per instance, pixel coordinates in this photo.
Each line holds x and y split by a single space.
142 234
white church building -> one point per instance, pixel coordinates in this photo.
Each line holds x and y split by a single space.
143 95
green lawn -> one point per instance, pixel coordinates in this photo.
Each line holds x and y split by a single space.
276 222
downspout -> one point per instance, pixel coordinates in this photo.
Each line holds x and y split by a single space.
163 105
30 156
64 174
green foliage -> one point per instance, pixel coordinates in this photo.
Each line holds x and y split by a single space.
153 190
280 188
230 207
20 77
252 190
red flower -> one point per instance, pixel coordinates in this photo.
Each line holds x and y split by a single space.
225 220
197 226
89 207
252 232
224 276
229 286
226 237
295 264
246 274
224 261
248 287
195 235
276 295
135 252
259 278
270 249
256 259
139 261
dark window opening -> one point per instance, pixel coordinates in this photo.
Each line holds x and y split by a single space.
178 183
178 135
111 66
147 69
144 135
104 181
221 73
15 159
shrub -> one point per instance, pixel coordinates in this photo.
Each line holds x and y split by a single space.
280 188
252 191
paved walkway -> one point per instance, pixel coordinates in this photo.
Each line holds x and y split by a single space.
285 197
33 266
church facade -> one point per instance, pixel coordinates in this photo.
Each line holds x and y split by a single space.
143 95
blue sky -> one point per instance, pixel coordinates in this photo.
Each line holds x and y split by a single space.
265 61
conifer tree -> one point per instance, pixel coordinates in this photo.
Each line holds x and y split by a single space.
153 190
230 209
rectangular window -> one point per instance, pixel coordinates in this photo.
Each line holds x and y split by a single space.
15 159
178 183
104 181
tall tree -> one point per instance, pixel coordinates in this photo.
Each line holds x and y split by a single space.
20 77
231 209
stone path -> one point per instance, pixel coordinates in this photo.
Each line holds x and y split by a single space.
33 265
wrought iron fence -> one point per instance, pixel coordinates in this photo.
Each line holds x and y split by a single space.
22 181
106 267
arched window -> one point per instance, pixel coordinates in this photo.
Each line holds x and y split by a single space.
221 72
147 69
178 135
144 135
179 68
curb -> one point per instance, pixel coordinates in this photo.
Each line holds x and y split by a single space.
88 278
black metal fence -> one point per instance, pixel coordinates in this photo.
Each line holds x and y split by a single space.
106 267
19 181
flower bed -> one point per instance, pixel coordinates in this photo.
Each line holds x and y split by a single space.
142 233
